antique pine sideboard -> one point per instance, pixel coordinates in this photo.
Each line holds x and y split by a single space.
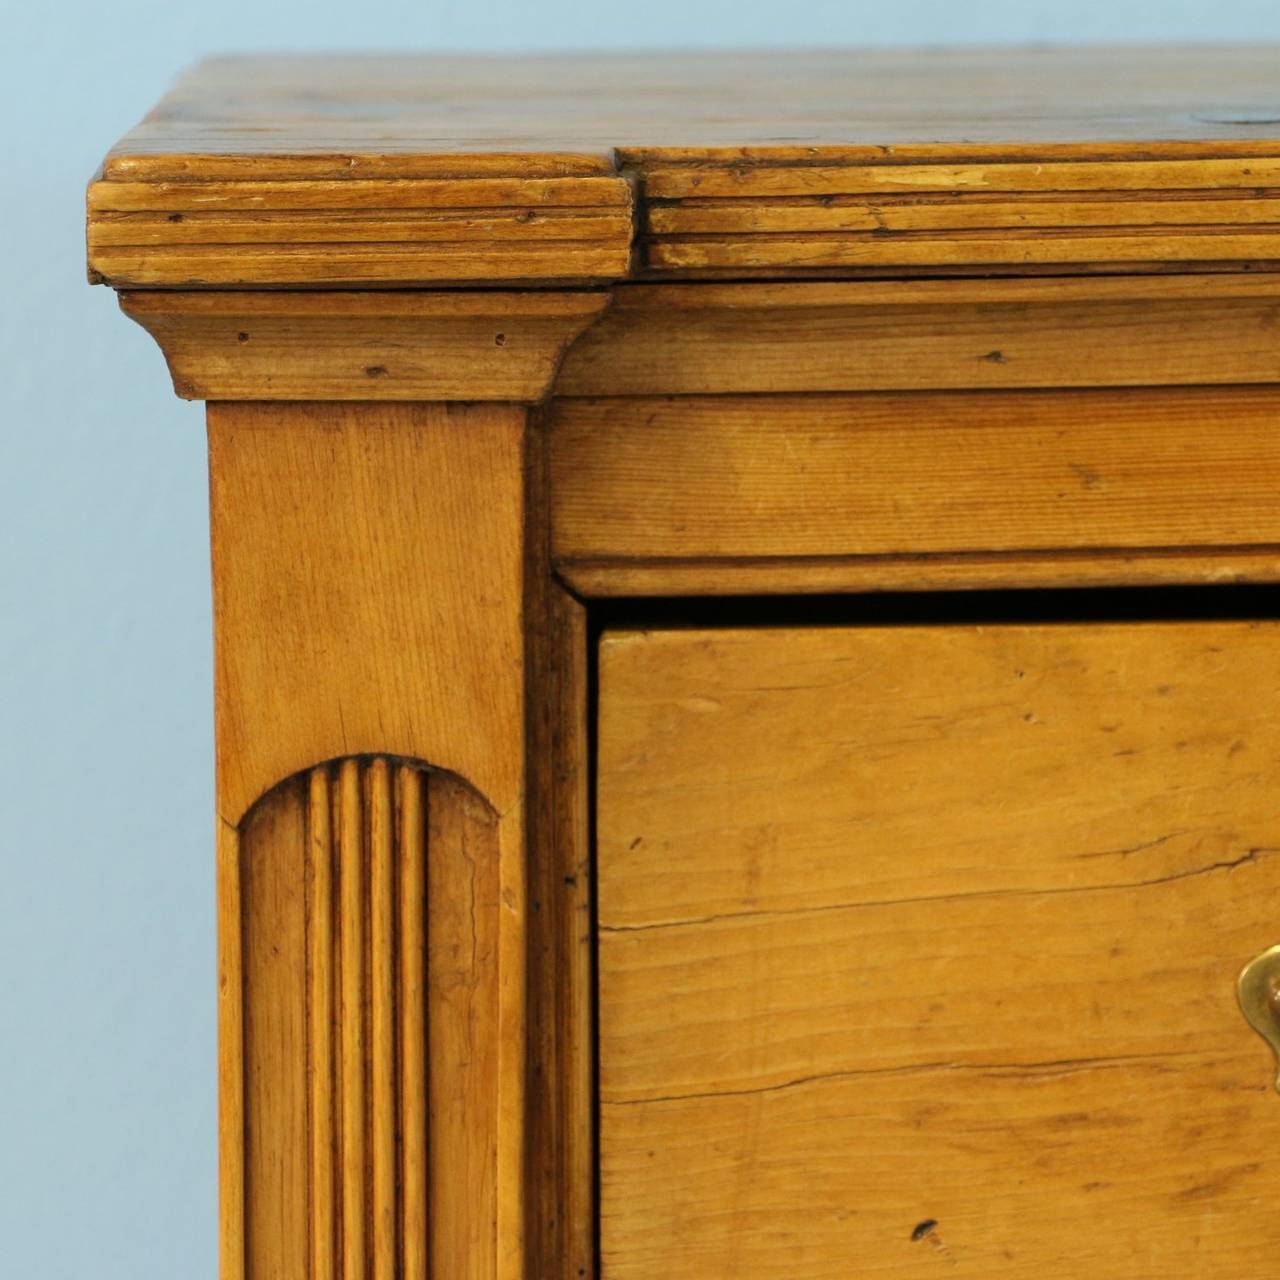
747 691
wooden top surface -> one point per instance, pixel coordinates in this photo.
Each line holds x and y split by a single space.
304 151
538 114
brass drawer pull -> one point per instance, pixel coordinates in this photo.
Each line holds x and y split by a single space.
1258 989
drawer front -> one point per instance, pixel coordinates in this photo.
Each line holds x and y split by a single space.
915 475
918 948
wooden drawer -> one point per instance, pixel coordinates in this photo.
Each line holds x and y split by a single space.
918 948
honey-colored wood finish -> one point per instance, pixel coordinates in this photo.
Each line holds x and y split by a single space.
561 1149
420 117
928 335
363 346
491 343
918 950
359 231
401 171
842 575
768 478
362 506
345 499
335 882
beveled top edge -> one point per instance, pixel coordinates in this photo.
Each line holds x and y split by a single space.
396 115
400 171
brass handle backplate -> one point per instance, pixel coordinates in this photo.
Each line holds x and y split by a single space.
1258 990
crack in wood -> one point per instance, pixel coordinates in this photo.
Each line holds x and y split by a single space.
1058 1066
1227 864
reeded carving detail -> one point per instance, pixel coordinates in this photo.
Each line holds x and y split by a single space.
366 850
363 1060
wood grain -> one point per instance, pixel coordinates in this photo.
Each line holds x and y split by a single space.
358 232
372 898
411 1035
922 335
855 254
363 346
703 339
562 1032
322 1058
411 951
328 249
854 574
490 169
414 117
801 216
875 984
272 849
383 1016
353 854
908 476
232 1135
464 913
346 540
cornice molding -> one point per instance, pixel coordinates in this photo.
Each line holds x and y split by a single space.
364 346
423 172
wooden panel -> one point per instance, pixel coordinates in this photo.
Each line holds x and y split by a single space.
913 476
562 1048
369 583
348 541
922 335
463 913
493 169
273 850
229 345
357 1031
918 949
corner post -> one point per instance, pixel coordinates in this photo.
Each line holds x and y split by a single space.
395 670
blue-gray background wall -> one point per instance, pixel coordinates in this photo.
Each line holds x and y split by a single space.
107 1116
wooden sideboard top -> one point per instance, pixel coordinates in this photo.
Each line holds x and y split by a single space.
408 170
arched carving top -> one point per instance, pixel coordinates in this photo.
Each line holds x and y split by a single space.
370 905
394 760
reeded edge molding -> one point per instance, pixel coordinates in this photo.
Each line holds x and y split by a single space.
364 346
189 221
242 228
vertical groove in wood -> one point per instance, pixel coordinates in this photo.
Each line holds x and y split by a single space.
351 934
410 787
320 1024
367 1157
382 1127
385 616
231 1077
343 1140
